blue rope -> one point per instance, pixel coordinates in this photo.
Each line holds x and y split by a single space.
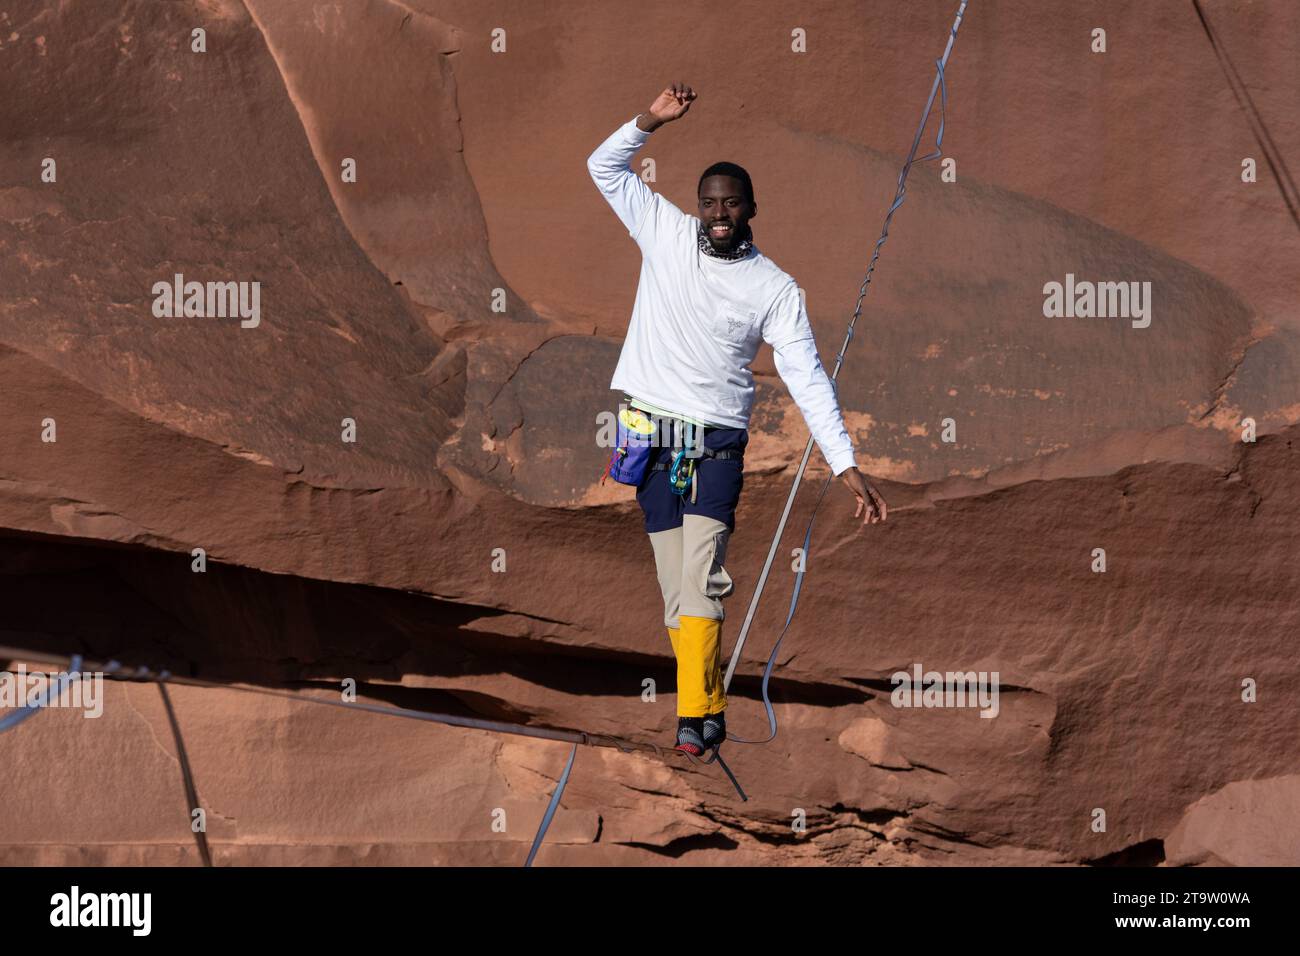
550 810
794 602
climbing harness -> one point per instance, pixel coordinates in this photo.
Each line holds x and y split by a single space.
638 441
680 478
939 86
683 470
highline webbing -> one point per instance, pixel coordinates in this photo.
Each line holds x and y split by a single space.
938 86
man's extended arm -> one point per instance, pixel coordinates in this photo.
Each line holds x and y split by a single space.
794 350
800 367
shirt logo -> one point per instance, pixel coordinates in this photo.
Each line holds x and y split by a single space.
732 324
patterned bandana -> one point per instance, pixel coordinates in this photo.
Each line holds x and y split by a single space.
742 248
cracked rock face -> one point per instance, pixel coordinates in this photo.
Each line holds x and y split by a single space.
462 303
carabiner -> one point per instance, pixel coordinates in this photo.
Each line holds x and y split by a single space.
676 480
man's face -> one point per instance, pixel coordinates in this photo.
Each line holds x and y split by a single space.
724 210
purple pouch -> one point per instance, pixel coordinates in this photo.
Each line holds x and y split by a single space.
633 449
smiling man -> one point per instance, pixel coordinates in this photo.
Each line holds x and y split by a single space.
706 300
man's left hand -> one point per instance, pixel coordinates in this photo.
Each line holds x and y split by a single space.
868 497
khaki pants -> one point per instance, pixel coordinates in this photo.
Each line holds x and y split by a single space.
689 562
693 579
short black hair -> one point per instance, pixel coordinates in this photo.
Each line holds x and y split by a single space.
727 169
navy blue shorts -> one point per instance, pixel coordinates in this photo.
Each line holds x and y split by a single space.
718 484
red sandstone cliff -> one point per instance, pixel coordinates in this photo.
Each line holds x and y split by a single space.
373 559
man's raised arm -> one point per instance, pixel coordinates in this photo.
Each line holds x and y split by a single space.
623 189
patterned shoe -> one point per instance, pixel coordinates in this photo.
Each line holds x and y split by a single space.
715 729
690 735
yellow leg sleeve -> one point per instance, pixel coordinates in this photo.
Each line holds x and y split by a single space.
717 699
699 677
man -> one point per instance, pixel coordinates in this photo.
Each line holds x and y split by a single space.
706 299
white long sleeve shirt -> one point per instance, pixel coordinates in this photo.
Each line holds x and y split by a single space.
698 321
